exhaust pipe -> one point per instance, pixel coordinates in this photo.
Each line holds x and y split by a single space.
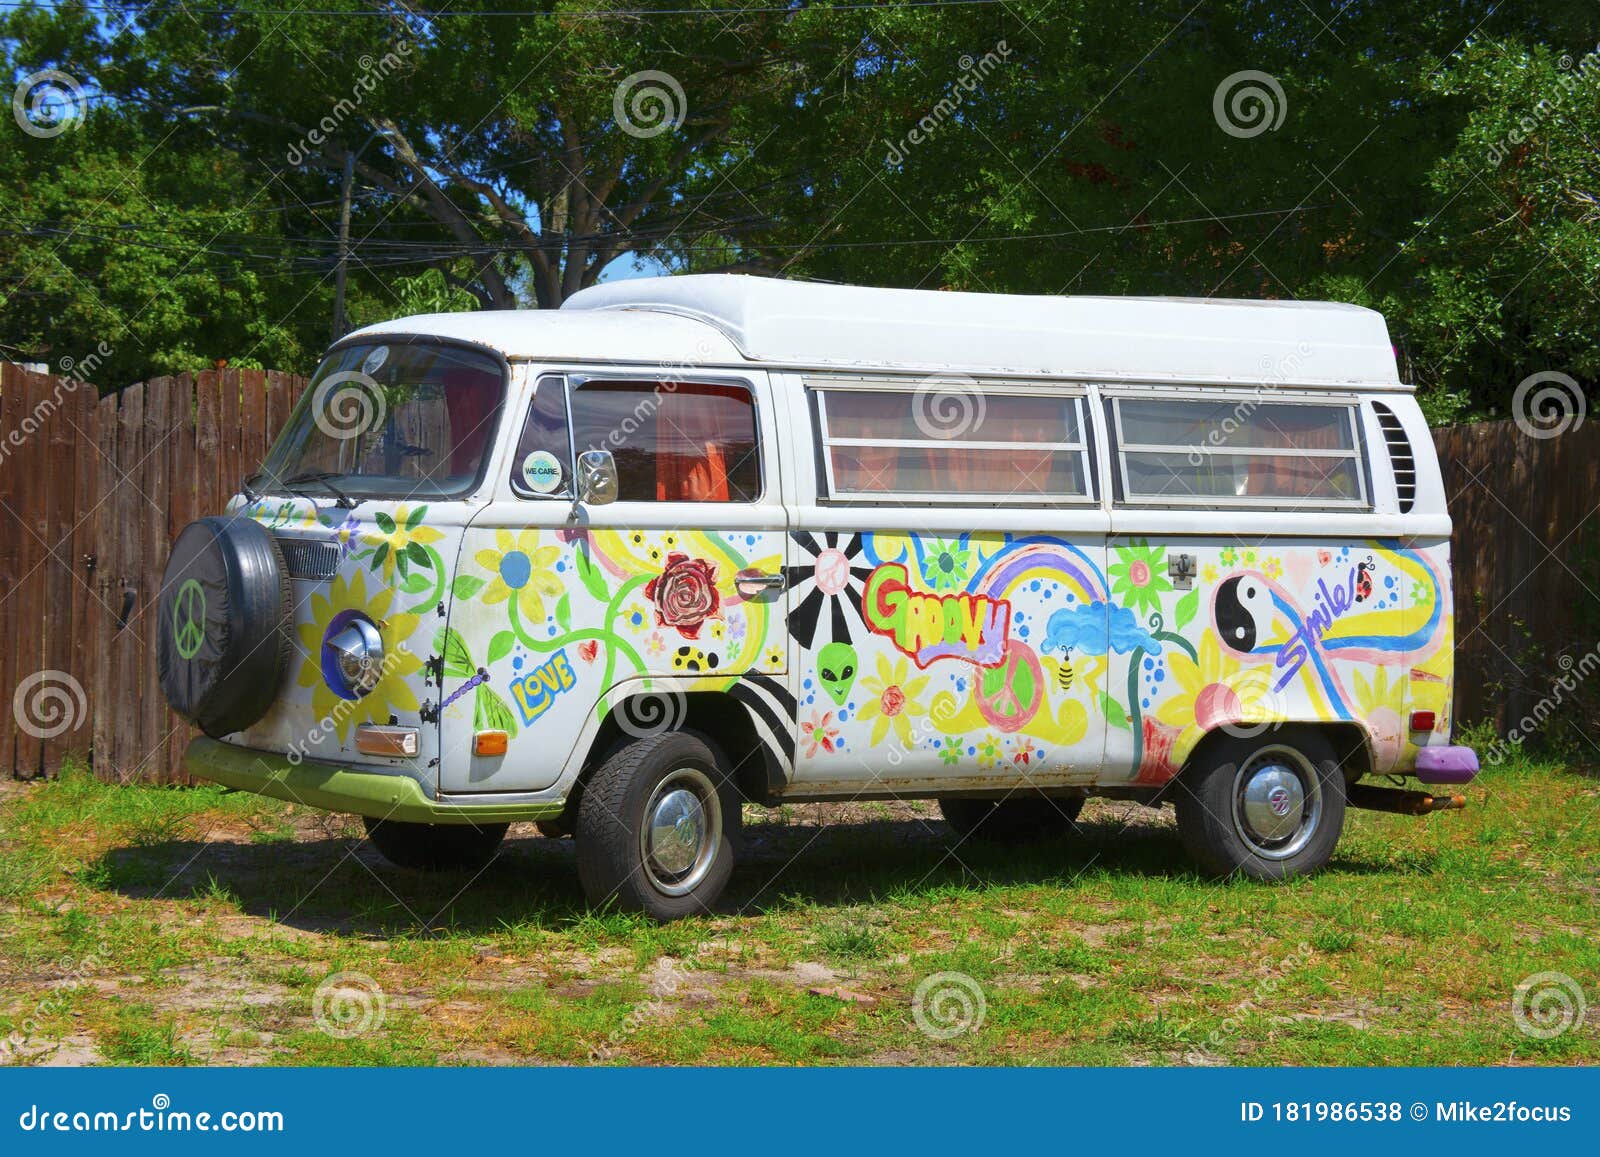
1405 803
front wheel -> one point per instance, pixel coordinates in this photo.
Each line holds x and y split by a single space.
656 828
435 847
1269 807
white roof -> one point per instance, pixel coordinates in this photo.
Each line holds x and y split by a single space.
590 337
724 319
1133 338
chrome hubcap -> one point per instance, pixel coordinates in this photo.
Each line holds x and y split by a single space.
683 826
1277 803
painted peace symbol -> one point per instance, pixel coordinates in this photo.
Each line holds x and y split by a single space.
189 619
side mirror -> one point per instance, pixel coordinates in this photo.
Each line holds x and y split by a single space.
597 478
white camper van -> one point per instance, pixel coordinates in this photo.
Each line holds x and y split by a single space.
691 542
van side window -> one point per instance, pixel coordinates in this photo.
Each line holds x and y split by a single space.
672 441
953 444
542 466
1239 452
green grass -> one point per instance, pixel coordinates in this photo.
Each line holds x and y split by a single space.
159 926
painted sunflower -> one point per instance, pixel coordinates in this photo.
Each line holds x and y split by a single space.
393 694
400 540
521 570
892 701
1217 689
1382 704
1139 576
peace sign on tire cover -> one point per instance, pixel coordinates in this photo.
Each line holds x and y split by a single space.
222 631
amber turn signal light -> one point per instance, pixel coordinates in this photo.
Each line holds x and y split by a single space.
490 743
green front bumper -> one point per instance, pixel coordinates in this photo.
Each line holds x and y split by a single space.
331 787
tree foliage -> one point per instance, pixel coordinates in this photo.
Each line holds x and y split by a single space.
1435 161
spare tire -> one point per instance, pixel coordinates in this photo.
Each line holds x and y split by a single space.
223 634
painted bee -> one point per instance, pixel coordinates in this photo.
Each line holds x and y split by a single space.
1064 676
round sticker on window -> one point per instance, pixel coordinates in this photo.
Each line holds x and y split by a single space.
541 470
373 362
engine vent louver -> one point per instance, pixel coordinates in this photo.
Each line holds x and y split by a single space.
1400 456
307 559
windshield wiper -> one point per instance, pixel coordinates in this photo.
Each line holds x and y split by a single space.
325 478
247 486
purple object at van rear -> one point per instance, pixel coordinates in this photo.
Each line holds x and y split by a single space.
1447 764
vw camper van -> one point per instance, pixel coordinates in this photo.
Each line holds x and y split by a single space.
689 543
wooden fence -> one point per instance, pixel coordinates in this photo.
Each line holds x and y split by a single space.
93 491
1525 557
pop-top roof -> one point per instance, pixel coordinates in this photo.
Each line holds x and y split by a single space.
720 319
1149 338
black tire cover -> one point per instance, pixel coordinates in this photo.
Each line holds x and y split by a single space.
222 632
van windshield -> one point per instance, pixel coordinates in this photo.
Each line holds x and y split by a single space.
390 420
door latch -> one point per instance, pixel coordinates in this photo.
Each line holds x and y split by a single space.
1180 569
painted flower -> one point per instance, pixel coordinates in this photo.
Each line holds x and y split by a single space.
1272 568
1139 577
988 751
522 572
946 566
1229 556
1208 573
393 694
819 733
1027 753
654 644
892 700
951 751
685 594
1214 690
1383 706
401 539
347 536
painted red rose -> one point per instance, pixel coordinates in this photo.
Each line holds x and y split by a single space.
892 701
685 594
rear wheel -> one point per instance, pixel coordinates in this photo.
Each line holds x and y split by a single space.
435 847
1269 807
1016 819
656 828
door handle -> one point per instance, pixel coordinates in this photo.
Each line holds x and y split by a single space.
751 582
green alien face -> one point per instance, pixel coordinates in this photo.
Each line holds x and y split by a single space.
836 670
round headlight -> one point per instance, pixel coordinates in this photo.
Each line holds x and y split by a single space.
352 657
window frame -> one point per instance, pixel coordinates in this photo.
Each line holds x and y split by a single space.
1120 449
514 468
818 387
575 380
